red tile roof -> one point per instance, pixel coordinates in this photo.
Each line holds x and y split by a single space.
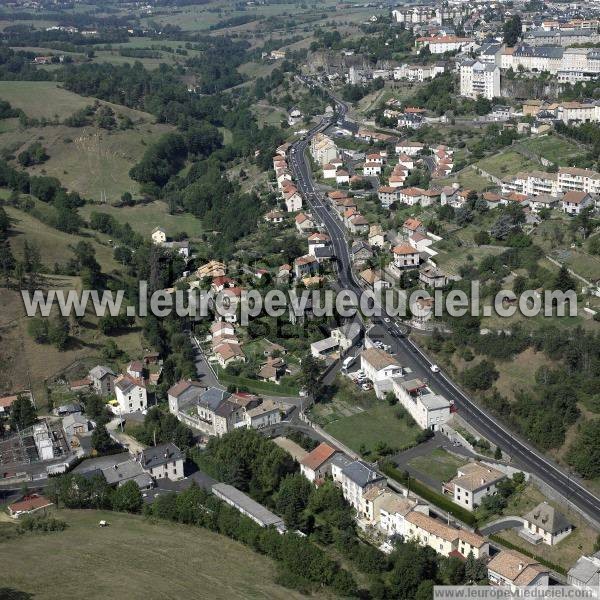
313 460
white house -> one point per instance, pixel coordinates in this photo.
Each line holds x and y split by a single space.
164 461
545 524
355 479
406 257
473 482
317 463
378 365
429 410
574 202
512 569
329 171
372 169
131 395
159 235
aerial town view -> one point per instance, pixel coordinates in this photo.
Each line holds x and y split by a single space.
299 299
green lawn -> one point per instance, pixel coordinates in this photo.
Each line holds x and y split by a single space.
554 148
136 559
439 464
506 164
376 424
468 179
42 98
143 218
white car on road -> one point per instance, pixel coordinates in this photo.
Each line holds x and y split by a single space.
435 368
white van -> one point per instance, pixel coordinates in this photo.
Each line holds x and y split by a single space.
347 362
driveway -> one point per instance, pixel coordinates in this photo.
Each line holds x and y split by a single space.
206 375
501 524
114 428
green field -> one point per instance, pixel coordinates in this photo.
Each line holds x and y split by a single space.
42 98
554 148
468 179
377 424
506 164
439 464
92 161
134 558
143 218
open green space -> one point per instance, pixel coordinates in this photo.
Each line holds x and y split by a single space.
554 148
439 464
143 218
506 164
379 424
135 558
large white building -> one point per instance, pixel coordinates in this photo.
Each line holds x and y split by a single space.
569 65
443 43
131 395
429 410
323 149
479 79
567 179
473 482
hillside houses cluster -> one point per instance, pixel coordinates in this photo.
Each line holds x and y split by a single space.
571 188
290 195
388 514
216 412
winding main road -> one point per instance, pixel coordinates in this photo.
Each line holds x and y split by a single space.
413 357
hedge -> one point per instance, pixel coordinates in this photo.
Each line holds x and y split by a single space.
428 494
543 561
256 386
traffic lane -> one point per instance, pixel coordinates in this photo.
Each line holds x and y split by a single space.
483 423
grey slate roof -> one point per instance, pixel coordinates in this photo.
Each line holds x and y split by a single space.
361 473
213 397
122 472
246 505
547 518
99 371
586 570
162 454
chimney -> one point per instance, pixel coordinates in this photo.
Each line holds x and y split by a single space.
521 566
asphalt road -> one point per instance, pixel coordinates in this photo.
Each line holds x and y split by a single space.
521 452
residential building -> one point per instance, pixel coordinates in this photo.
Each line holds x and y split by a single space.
406 257
376 236
323 149
443 43
304 223
442 538
429 410
409 148
292 199
574 202
267 413
473 482
432 277
512 569
103 380
183 393
355 479
118 474
158 235
346 335
163 461
374 279
372 169
378 365
479 79
329 171
342 176
305 265
131 395
545 524
388 195
585 573
316 465
412 225
542 201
